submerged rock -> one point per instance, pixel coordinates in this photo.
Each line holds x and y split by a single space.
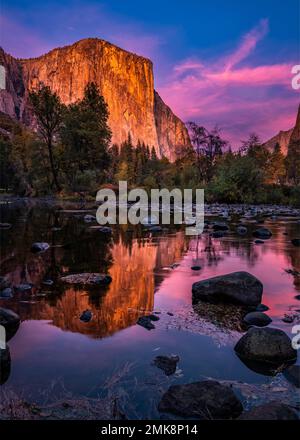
295 241
262 308
24 287
88 218
39 247
257 318
220 226
292 374
266 345
217 234
270 411
167 363
241 230
204 400
87 279
6 293
262 233
196 267
237 287
5 225
10 321
145 321
259 242
86 316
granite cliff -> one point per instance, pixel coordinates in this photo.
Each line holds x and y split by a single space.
125 80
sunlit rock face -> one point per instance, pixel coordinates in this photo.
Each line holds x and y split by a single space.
125 80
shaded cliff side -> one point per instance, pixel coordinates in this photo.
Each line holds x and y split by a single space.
124 79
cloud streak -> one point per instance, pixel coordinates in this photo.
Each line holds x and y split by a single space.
240 98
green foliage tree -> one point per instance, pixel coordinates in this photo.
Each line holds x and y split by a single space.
49 115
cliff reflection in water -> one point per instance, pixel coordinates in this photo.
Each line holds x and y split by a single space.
130 294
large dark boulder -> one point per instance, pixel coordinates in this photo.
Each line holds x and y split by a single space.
5 365
259 319
270 411
266 345
203 400
236 288
263 233
10 321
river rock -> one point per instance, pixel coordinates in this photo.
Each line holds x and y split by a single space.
217 234
241 230
295 241
266 345
6 293
145 321
262 308
10 321
204 400
167 363
259 242
39 247
220 226
263 233
292 374
87 279
88 218
5 225
86 316
4 283
270 411
236 287
258 319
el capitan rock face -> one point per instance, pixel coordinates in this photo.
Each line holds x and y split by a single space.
124 79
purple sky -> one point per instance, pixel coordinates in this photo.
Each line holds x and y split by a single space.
221 62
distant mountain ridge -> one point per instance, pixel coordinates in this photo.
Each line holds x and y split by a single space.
283 138
124 79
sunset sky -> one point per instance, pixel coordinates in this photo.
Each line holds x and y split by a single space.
220 62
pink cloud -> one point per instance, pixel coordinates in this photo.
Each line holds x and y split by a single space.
240 100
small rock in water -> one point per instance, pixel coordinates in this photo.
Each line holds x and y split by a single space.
39 247
145 321
241 230
167 363
4 283
196 267
295 241
289 319
105 230
170 313
202 400
257 318
155 229
297 297
48 282
270 411
6 293
24 287
153 317
262 233
262 308
217 234
292 374
88 218
5 225
86 316
87 279
259 242
220 226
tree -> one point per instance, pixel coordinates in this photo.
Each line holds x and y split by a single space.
49 114
277 171
293 162
209 146
85 136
